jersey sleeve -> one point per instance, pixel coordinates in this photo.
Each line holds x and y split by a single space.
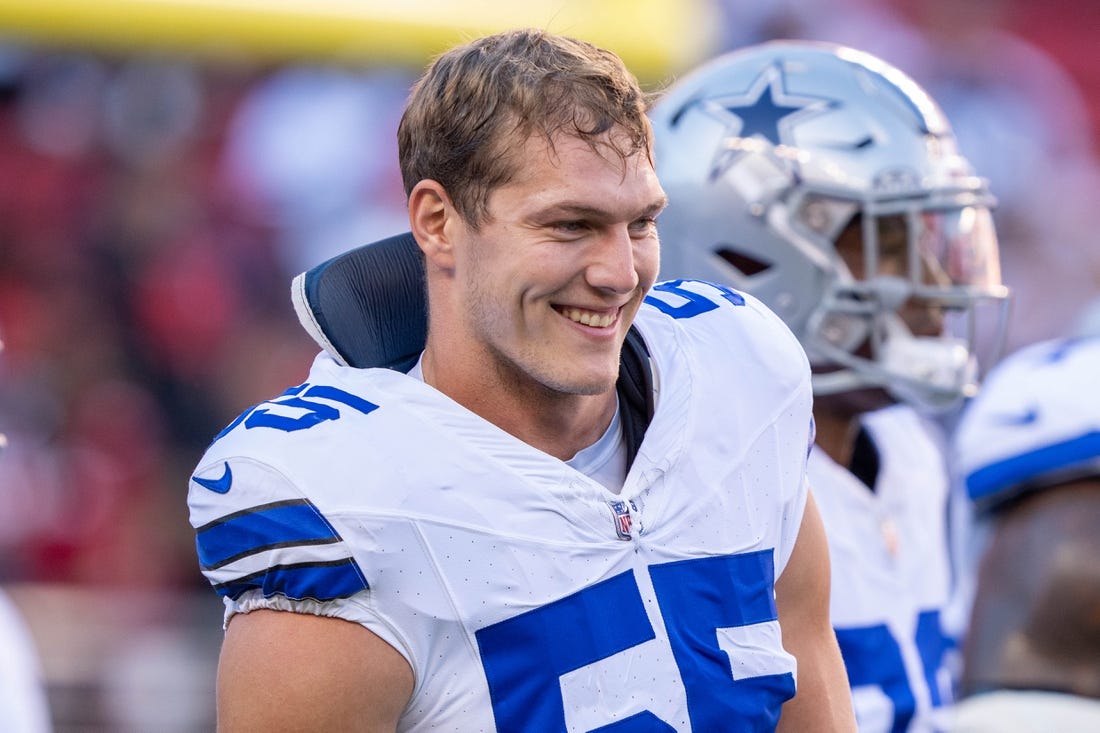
262 544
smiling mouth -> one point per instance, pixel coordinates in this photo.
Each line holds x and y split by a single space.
593 319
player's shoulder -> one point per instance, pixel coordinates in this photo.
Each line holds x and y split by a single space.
330 399
306 440
264 496
1034 417
716 322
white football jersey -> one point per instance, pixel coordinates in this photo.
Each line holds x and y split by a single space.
1035 422
525 595
24 707
890 571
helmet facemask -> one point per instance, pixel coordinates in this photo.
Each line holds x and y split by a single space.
902 312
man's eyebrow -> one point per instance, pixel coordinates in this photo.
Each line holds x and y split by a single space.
656 207
587 211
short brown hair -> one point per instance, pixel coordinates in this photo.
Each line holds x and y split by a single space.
480 102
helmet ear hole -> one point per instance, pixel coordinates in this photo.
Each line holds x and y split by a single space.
745 264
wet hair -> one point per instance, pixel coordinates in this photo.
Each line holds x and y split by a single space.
476 106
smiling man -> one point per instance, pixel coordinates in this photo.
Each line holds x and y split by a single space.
538 298
565 516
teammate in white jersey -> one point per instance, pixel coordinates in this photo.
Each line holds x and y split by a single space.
24 706
415 551
1028 450
826 183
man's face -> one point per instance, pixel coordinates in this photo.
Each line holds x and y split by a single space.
894 261
552 279
921 317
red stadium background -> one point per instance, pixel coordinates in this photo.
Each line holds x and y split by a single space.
166 167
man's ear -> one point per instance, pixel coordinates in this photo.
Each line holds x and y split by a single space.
433 220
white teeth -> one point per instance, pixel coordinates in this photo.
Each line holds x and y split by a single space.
589 318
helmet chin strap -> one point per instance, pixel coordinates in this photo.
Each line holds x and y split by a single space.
931 373
934 373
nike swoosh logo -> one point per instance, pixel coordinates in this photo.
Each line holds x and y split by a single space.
219 485
1022 418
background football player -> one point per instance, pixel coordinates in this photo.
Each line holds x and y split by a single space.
24 706
828 184
1028 451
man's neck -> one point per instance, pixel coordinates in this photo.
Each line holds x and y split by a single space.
836 435
555 423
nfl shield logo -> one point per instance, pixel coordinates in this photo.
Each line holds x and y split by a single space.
620 511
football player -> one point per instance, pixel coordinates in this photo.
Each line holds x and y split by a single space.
826 183
562 514
24 704
1028 451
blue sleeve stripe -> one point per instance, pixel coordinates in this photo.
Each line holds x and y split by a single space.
316 581
1026 467
281 524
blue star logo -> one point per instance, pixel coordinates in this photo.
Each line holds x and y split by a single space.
762 117
764 110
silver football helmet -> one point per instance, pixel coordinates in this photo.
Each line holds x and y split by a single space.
773 155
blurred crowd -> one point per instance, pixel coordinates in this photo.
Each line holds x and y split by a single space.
153 210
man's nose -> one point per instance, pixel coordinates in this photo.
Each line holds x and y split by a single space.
612 266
